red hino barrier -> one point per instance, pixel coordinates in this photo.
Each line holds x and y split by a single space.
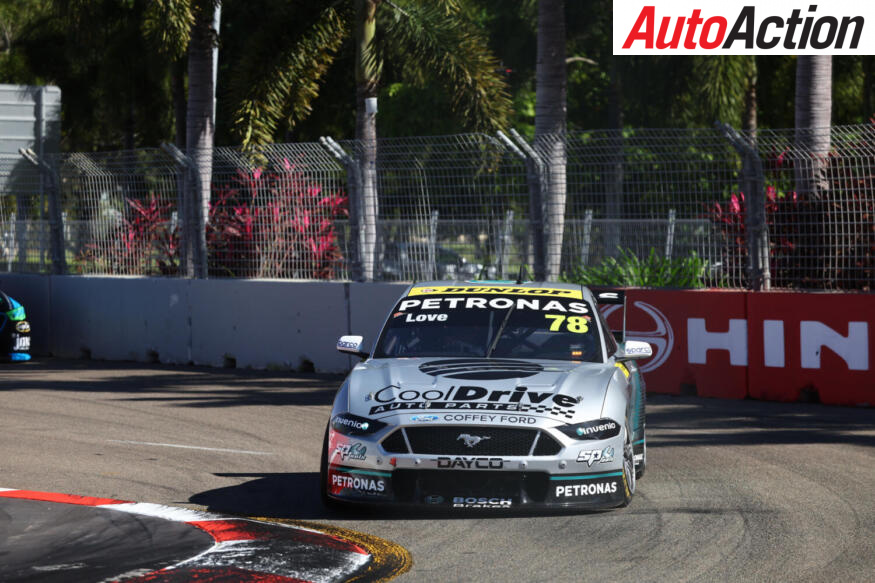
768 345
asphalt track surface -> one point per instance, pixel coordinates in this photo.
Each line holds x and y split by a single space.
734 490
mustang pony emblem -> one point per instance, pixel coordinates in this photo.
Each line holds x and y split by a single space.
471 440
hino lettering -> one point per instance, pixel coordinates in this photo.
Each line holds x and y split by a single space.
586 489
468 463
472 502
358 483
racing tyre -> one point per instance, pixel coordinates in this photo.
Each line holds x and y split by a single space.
641 465
628 471
327 501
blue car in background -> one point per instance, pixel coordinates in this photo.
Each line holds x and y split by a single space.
14 331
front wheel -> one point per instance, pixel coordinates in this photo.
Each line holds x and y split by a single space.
628 470
641 464
327 501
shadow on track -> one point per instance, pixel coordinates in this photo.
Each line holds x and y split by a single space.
696 421
182 386
295 496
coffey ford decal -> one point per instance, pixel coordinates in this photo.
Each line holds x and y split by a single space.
743 27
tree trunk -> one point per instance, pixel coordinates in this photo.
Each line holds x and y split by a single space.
813 118
367 75
614 171
550 120
749 117
199 136
867 87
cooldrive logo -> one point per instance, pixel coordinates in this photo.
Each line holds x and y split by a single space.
466 397
736 27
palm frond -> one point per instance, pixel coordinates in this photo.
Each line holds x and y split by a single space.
452 50
168 23
281 77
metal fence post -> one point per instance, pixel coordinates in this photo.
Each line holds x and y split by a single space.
193 234
753 185
354 179
536 178
56 224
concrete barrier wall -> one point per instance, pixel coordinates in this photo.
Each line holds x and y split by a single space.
257 324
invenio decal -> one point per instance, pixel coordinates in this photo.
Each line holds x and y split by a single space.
744 27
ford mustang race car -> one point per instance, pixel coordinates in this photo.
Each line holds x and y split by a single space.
14 331
490 395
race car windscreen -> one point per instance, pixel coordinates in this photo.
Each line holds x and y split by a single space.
492 326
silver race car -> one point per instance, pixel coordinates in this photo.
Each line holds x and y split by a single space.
490 395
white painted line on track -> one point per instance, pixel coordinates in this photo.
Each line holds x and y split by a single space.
220 449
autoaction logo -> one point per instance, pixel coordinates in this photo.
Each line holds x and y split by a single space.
738 27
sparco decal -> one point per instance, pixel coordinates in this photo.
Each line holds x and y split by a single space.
361 483
736 27
470 463
574 490
472 502
471 397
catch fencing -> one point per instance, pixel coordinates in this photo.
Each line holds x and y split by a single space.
661 208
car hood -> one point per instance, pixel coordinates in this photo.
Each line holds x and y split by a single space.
563 391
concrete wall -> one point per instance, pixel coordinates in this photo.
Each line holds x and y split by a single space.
255 324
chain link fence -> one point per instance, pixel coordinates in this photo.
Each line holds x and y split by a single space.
665 208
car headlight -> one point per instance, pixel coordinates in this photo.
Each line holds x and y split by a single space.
349 424
598 429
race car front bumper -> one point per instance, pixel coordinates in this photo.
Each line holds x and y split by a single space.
477 489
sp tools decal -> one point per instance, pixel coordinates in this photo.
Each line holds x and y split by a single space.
748 27
591 456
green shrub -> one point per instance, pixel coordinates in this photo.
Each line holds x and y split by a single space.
653 271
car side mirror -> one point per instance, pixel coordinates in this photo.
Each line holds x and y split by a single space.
634 350
352 345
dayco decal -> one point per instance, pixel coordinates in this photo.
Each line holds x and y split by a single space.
586 489
707 26
361 483
591 456
474 418
468 463
524 291
472 502
484 303
461 397
355 451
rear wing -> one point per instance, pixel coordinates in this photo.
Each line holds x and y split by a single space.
613 297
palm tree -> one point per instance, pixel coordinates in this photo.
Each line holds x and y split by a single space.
186 26
550 121
813 112
282 71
